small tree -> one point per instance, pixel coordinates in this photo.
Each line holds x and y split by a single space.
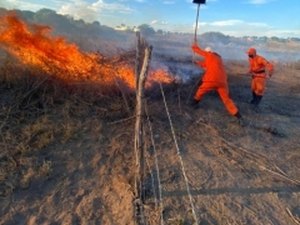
146 30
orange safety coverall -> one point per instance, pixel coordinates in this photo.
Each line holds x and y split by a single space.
214 78
258 68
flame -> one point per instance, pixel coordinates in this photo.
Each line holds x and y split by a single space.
159 76
33 45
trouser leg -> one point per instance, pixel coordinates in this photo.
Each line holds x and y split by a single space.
202 90
258 89
227 101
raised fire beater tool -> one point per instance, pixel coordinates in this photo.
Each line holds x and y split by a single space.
198 2
193 90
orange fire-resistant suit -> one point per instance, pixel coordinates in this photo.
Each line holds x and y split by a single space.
259 68
214 78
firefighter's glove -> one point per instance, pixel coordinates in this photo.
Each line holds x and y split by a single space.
195 47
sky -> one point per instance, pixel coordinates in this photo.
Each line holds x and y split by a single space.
238 18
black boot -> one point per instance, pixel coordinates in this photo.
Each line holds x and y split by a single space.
256 107
254 97
194 103
238 115
258 99
240 119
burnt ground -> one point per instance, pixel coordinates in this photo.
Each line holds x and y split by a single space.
67 157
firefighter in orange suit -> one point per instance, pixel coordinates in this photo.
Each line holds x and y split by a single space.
259 68
214 79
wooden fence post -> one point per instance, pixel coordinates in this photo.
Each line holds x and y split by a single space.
139 142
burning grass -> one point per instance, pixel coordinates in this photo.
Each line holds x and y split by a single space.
49 87
33 45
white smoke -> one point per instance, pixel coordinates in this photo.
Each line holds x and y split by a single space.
90 12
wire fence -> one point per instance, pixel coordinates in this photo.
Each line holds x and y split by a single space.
260 161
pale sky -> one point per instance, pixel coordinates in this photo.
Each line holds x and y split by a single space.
232 17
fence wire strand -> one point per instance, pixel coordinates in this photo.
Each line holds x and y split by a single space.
179 155
161 207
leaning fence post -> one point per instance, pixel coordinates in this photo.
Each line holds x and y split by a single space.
138 141
137 59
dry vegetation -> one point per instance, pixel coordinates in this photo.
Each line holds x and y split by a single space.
66 154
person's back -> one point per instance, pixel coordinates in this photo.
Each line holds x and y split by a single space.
214 68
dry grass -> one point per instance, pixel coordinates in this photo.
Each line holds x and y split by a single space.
66 153
38 113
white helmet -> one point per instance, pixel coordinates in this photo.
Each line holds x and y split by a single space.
208 49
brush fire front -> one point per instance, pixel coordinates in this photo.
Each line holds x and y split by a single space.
34 46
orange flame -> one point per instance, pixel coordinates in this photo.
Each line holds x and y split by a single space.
34 46
159 76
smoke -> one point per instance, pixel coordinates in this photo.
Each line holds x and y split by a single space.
166 46
97 11
79 10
